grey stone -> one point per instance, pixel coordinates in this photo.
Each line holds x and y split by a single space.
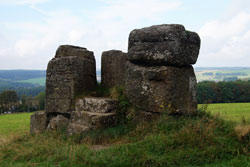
58 122
113 68
92 113
167 44
38 122
156 88
73 51
70 73
93 120
95 104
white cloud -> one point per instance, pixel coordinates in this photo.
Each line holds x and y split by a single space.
105 29
132 10
226 41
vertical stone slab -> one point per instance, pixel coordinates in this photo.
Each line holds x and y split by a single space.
71 72
113 68
162 88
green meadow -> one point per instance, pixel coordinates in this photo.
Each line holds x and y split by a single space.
236 112
203 140
14 123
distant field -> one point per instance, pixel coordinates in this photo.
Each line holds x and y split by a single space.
14 123
231 111
201 71
37 81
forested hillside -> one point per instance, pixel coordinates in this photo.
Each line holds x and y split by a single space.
24 82
14 75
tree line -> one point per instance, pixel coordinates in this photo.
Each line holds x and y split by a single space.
11 102
207 92
223 92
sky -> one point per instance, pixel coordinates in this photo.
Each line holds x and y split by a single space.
32 30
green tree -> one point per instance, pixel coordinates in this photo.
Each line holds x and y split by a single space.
41 100
223 92
8 96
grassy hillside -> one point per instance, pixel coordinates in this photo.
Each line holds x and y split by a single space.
36 81
202 140
4 84
29 82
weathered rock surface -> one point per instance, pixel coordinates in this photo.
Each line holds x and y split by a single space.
92 113
58 122
167 44
71 72
73 51
93 120
155 88
94 104
113 68
38 122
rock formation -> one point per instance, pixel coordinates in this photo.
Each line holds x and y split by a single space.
159 72
113 68
71 73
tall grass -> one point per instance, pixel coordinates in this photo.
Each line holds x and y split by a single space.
201 140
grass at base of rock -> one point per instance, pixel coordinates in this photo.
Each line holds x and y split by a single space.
202 140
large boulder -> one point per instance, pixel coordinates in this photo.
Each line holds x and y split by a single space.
71 72
38 122
167 44
92 113
161 88
93 120
84 121
113 68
